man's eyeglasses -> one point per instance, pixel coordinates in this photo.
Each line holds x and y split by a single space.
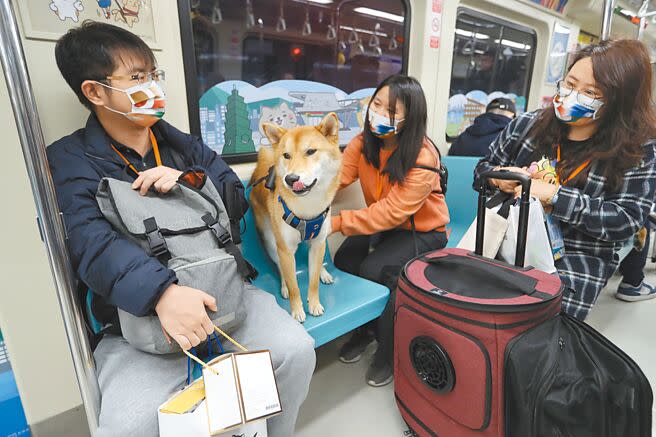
141 77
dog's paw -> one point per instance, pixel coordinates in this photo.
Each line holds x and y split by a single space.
284 291
316 309
326 277
297 312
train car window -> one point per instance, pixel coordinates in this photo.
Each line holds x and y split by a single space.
491 58
245 60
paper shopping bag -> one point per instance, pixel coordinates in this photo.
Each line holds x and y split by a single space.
235 396
240 388
185 414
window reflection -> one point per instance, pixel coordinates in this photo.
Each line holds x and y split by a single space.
350 45
491 58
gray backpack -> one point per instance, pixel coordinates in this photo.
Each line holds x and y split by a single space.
187 230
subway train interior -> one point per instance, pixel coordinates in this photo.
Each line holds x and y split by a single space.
239 76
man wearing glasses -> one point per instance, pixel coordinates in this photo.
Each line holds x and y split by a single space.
113 73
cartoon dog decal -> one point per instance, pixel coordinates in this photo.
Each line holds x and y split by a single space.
67 9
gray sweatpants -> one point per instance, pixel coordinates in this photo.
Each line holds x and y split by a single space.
133 384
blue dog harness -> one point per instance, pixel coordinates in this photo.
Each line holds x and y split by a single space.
308 229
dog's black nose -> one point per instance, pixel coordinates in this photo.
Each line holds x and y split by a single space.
291 178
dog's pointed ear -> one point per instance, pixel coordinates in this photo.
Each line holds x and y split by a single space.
329 127
273 132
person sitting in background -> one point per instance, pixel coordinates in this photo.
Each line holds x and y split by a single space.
476 139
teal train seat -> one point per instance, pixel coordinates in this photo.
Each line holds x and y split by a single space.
13 421
460 196
12 416
349 302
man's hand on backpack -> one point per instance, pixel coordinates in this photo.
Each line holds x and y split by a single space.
183 315
162 178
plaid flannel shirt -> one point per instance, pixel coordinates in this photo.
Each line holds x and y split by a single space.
595 223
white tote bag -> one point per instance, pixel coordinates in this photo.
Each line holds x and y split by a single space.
538 247
496 226
495 231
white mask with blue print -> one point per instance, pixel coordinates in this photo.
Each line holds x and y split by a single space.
381 126
575 106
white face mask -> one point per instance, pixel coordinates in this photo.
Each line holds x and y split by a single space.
381 126
572 106
148 103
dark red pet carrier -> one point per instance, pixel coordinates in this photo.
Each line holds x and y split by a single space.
456 312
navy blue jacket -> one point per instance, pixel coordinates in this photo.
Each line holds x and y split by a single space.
477 138
111 265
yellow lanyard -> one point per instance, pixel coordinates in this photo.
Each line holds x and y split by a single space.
574 173
153 141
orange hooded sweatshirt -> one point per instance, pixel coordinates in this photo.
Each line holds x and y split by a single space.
390 206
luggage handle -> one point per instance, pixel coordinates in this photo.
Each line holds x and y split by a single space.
524 208
511 281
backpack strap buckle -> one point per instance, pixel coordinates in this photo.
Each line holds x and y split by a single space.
221 233
156 241
246 270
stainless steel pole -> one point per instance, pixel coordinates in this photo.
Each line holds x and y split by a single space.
52 229
641 28
606 19
642 12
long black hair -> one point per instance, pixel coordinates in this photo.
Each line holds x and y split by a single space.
410 139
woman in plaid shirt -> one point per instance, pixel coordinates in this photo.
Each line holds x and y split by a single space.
599 136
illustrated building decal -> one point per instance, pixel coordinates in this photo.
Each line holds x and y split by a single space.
238 137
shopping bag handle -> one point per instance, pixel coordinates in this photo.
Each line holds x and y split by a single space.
524 205
202 363
211 337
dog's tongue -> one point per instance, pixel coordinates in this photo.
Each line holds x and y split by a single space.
298 186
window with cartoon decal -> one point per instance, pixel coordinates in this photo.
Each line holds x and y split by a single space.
288 62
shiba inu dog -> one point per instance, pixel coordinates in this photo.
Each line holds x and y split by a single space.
294 184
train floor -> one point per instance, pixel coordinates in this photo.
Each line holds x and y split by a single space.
341 403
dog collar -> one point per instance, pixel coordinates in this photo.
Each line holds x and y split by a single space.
308 229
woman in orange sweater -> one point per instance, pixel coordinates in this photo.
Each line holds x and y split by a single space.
397 166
